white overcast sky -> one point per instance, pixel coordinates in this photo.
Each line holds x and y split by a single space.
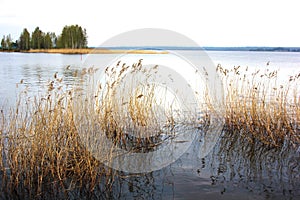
208 22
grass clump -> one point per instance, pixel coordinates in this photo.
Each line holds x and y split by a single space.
260 106
41 153
44 140
129 109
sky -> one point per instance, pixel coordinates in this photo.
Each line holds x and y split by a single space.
228 23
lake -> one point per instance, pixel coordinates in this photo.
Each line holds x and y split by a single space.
233 169
37 69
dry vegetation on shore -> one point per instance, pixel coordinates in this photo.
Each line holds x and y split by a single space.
90 51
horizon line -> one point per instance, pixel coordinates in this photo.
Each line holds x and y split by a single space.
220 48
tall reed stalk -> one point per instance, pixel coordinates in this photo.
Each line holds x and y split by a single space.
260 106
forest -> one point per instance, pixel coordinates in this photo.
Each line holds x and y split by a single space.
71 37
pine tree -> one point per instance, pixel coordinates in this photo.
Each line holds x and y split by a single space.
3 42
24 43
72 37
37 39
47 41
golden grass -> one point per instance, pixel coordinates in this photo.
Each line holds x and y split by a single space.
260 107
94 51
41 152
41 149
125 112
40 145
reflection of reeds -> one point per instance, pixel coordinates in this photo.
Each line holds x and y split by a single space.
254 166
258 105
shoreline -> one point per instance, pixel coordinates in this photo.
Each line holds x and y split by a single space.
88 51
154 50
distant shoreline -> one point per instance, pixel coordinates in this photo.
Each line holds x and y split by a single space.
264 49
208 48
153 50
89 51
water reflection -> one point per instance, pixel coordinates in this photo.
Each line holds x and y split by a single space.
238 167
235 169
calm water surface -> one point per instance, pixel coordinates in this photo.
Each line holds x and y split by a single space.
35 70
234 169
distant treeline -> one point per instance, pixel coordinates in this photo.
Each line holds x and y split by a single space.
273 49
193 48
73 37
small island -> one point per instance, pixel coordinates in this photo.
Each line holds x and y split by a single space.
72 40
71 37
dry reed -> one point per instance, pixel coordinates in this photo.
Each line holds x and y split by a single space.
260 107
42 154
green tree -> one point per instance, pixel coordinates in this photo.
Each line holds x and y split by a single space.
53 39
3 42
58 42
24 41
8 42
47 41
37 39
72 37
84 41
